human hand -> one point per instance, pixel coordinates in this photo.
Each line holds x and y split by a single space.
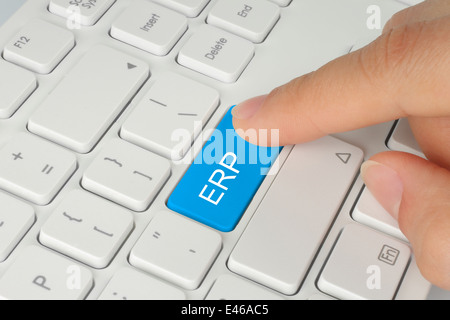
404 73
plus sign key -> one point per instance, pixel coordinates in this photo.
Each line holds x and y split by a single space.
35 169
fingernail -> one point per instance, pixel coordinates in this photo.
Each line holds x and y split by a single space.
248 109
385 185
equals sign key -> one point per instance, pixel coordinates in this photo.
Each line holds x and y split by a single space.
47 169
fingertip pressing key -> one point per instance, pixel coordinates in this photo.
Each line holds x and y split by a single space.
220 184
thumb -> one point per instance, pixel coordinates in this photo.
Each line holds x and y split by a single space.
416 192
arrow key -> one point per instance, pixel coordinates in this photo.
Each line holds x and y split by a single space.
310 174
103 69
344 157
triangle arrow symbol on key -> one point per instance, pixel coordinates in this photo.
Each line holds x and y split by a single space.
344 157
131 66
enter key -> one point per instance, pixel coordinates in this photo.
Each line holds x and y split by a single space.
220 184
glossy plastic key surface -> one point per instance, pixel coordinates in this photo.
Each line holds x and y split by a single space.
223 179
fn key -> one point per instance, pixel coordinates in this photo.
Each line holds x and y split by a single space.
223 179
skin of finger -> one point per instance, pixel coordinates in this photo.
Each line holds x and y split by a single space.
405 72
325 101
427 10
417 65
424 212
433 136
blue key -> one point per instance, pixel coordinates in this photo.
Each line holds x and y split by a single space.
220 184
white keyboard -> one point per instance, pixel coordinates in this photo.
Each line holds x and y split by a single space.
92 96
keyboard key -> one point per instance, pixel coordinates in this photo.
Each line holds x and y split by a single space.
284 235
150 27
411 2
39 46
402 139
127 175
16 85
190 8
177 250
16 218
38 274
217 54
220 184
35 169
250 19
90 97
321 297
129 284
83 220
282 3
170 116
225 288
369 211
364 264
80 12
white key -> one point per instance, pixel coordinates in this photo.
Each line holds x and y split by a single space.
39 46
150 27
16 85
402 139
190 8
225 288
80 12
364 264
250 19
290 224
371 213
177 250
127 175
129 284
87 228
16 218
170 116
217 54
90 97
35 169
411 2
321 297
38 274
282 3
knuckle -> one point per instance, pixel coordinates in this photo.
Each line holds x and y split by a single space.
396 20
393 56
400 44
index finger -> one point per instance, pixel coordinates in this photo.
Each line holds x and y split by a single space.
405 72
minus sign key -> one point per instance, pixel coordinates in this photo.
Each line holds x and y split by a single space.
171 116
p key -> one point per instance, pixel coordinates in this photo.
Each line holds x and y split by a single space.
223 179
